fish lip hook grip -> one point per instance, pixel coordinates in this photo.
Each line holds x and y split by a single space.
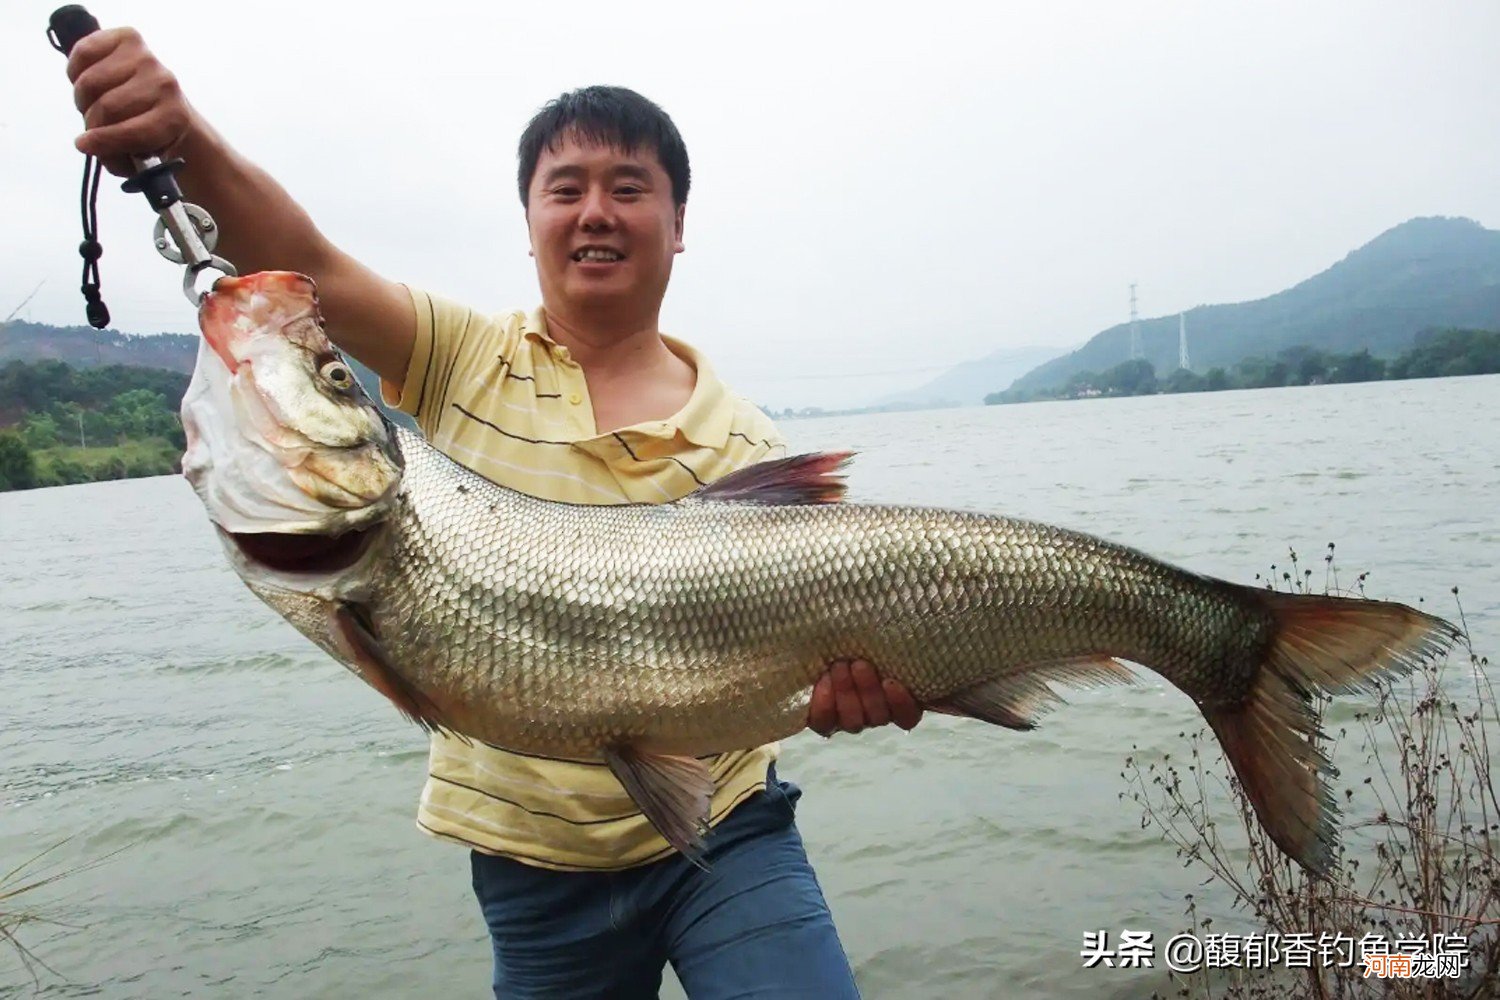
184 234
67 25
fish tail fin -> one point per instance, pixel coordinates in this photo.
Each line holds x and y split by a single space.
1323 645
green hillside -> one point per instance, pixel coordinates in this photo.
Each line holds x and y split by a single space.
80 405
1429 273
85 347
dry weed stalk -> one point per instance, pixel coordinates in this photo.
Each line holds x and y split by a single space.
26 877
1420 828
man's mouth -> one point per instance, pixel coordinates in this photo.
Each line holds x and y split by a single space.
597 255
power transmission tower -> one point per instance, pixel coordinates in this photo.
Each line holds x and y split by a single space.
27 299
1182 354
1135 327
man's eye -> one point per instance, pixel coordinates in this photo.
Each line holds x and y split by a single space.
628 191
565 192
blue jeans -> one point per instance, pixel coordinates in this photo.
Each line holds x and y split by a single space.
754 925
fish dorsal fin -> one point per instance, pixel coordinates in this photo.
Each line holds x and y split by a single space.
1017 701
673 792
813 478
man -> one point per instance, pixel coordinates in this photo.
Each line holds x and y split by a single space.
583 400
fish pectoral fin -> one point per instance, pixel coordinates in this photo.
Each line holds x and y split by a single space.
1017 701
673 792
354 637
814 478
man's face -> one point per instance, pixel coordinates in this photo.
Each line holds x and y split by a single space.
604 230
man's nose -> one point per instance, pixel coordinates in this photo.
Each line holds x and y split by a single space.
597 210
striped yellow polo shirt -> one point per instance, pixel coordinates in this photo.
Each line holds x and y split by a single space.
499 395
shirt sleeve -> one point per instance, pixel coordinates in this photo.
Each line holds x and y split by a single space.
449 337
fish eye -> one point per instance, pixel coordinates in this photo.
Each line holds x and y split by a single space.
337 373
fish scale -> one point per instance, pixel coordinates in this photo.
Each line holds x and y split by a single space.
651 636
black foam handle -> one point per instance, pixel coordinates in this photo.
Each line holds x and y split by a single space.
68 25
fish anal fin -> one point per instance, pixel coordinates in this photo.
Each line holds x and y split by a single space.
1012 702
998 704
1093 670
1018 700
673 792
815 478
353 636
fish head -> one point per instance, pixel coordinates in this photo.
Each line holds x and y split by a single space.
284 447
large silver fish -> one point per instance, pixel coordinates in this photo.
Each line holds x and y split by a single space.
647 636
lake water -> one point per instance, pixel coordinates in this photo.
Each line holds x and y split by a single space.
264 799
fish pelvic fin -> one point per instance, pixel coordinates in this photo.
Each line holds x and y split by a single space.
1319 644
814 478
673 792
354 637
1018 700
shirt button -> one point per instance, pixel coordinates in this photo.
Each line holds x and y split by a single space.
575 398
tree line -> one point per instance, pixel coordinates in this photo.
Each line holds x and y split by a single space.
1435 354
61 425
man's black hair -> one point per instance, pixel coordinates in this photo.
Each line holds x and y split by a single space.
608 116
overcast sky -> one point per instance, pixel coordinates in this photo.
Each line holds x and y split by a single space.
878 191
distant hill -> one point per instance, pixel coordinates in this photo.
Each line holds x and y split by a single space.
85 347
1423 274
967 384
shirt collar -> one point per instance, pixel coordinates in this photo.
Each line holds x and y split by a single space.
709 413
535 327
706 419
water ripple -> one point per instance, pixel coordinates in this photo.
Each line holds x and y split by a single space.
265 799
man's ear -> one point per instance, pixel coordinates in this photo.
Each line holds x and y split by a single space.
677 226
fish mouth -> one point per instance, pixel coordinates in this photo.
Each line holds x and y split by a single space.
303 554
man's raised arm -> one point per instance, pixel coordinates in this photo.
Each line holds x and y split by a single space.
133 106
